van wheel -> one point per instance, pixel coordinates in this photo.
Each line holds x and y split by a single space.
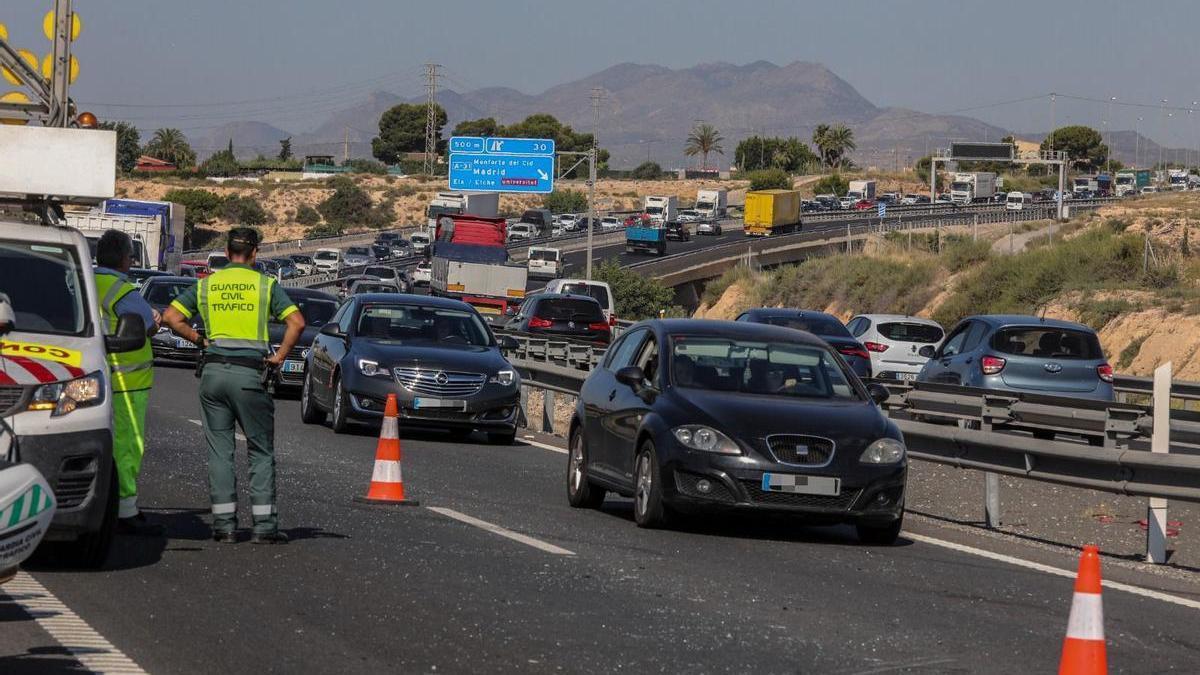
91 550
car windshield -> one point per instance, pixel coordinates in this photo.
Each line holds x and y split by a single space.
960 187
411 324
543 254
654 209
163 293
421 237
600 293
44 285
817 325
326 255
569 309
609 219
316 311
911 332
216 262
1058 343
754 367
357 250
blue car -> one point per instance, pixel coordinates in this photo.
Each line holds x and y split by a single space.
1024 354
825 326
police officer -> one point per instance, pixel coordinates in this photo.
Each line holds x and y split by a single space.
235 303
132 375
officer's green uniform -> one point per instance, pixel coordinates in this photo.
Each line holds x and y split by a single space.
236 303
132 376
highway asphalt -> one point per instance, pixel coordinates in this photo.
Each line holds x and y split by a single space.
413 589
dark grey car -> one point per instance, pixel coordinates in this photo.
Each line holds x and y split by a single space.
1021 353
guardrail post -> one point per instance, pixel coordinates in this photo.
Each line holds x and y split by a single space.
525 403
1160 441
548 411
991 499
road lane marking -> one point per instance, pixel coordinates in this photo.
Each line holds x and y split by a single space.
503 532
237 434
1058 571
544 446
93 652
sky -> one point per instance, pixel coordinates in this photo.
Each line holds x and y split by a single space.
198 64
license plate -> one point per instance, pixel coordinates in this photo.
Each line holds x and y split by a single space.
182 343
907 377
422 402
484 309
293 367
805 485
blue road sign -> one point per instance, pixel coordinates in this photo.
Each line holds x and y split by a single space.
466 144
882 209
502 173
519 146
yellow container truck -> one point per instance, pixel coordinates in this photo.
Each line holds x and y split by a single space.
771 212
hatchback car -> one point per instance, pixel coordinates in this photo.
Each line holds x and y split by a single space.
694 415
358 255
520 232
435 354
165 344
825 326
610 223
389 274
577 317
894 343
371 285
304 263
422 274
600 290
708 227
1021 353
687 216
317 308
678 231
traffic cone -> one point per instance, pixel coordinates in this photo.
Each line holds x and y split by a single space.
1084 651
387 482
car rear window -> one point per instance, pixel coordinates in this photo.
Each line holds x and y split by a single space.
817 325
911 332
1058 343
566 309
600 293
381 272
543 254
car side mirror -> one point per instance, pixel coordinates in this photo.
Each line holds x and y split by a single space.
129 336
631 376
332 330
878 392
508 343
928 351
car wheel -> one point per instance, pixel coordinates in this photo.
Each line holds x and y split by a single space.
880 535
502 437
91 550
581 493
340 403
310 412
648 507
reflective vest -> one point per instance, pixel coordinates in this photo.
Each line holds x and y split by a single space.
131 371
235 304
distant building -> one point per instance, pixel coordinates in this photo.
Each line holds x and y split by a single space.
148 163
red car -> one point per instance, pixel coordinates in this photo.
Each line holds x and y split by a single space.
864 204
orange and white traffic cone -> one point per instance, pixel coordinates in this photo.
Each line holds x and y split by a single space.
1084 651
387 481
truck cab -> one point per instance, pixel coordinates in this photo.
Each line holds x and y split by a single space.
661 209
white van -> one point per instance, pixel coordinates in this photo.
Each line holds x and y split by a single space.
328 260
545 262
599 290
420 242
1017 201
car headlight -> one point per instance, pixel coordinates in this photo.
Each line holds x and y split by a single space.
883 451
504 378
705 439
371 368
63 397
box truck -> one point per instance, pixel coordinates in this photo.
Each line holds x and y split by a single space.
712 204
661 209
968 188
771 212
156 228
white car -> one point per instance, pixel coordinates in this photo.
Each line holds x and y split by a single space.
894 342
708 227
1149 190
328 260
422 273
611 223
599 290
519 232
544 262
846 202
304 264
569 221
687 216
420 242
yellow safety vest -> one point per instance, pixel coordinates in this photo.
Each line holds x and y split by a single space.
131 371
235 304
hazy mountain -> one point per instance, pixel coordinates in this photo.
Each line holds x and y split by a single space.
250 139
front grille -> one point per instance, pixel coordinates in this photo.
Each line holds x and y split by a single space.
439 383
841 502
448 414
801 450
11 397
72 490
298 353
686 484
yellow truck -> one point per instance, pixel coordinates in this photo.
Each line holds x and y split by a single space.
771 212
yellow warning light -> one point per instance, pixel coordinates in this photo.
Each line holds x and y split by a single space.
48 25
48 67
27 56
14 97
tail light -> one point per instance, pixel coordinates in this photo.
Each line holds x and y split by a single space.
991 365
875 346
599 325
612 319
854 351
1105 372
539 322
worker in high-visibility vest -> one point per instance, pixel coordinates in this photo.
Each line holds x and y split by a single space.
132 375
235 303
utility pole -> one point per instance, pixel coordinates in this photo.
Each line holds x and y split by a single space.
431 76
345 145
597 96
1162 131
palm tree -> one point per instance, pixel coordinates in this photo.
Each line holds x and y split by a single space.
170 145
840 140
820 139
703 140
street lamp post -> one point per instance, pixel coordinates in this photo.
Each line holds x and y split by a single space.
1162 131
1108 122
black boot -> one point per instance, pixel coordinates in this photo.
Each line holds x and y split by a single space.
139 526
223 537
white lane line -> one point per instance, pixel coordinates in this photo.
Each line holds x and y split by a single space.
237 434
74 634
545 446
503 532
1058 571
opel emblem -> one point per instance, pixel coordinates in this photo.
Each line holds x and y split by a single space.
1053 368
441 378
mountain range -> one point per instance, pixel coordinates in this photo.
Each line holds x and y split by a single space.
647 110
